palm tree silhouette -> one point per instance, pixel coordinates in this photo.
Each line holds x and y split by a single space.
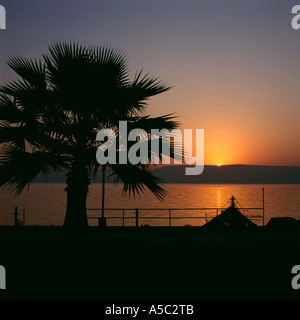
51 114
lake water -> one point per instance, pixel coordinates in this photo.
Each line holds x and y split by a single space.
44 204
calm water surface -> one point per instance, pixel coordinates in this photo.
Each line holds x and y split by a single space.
44 204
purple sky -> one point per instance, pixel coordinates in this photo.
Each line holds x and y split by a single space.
234 65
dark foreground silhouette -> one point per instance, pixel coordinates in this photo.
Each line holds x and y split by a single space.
151 263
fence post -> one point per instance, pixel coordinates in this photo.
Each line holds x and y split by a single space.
263 200
16 216
23 217
170 218
136 217
101 222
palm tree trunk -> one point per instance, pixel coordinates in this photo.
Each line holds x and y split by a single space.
76 224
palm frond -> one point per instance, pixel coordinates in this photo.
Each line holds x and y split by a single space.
167 122
30 101
136 179
18 168
148 86
115 59
30 70
141 89
61 52
9 112
13 135
148 123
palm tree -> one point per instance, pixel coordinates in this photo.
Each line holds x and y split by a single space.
51 114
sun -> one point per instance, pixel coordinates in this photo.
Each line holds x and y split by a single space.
219 164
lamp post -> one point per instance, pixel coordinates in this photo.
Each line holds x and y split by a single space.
102 220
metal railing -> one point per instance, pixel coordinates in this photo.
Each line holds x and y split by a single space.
136 214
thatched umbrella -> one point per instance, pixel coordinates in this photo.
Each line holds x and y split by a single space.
230 219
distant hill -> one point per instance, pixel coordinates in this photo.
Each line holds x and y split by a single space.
241 174
232 174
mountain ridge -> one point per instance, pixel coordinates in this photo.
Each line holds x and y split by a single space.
225 174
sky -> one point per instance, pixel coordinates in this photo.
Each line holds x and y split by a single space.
233 65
